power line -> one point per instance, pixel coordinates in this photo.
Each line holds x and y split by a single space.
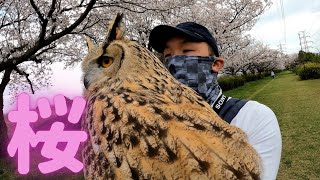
283 21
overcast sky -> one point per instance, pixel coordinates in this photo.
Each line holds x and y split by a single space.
300 15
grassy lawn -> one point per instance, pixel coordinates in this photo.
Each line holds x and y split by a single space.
297 106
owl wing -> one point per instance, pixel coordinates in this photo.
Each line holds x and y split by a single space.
153 138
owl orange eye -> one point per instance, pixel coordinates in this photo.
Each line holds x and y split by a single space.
105 61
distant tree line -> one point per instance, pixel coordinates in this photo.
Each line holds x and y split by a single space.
306 65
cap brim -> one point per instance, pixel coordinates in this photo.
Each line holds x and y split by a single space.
162 33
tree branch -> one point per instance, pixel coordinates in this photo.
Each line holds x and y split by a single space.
86 34
35 7
5 79
130 4
38 45
43 21
88 24
72 26
238 12
15 49
52 8
45 50
13 22
5 13
22 73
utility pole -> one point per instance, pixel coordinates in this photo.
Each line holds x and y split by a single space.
310 43
300 40
304 41
282 48
280 56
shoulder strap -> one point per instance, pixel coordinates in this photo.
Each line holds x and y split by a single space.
228 109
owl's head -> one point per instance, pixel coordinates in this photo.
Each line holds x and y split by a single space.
104 61
117 58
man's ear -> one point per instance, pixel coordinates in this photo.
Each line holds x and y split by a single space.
217 65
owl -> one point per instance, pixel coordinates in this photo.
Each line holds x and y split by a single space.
144 124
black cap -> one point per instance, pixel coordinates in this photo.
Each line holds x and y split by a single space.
193 31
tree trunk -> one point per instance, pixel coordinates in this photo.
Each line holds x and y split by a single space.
244 73
10 64
3 133
3 127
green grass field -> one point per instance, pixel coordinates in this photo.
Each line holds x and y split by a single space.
296 104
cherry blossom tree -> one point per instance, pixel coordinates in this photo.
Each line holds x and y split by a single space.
255 57
291 61
229 21
37 33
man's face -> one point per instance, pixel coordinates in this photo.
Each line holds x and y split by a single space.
179 45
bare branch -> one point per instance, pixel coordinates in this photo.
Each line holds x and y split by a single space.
81 2
52 8
81 5
13 22
15 49
245 22
40 44
52 46
5 14
133 4
35 57
72 26
43 21
238 12
94 38
35 7
22 73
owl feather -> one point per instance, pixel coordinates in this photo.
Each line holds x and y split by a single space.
144 124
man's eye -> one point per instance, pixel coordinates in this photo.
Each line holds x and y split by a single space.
167 55
105 61
187 50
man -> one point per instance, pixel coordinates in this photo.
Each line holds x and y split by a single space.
273 74
192 56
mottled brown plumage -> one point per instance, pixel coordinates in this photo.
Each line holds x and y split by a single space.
144 124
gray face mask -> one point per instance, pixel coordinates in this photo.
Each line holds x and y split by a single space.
195 72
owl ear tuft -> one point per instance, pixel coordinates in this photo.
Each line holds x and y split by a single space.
90 44
115 30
